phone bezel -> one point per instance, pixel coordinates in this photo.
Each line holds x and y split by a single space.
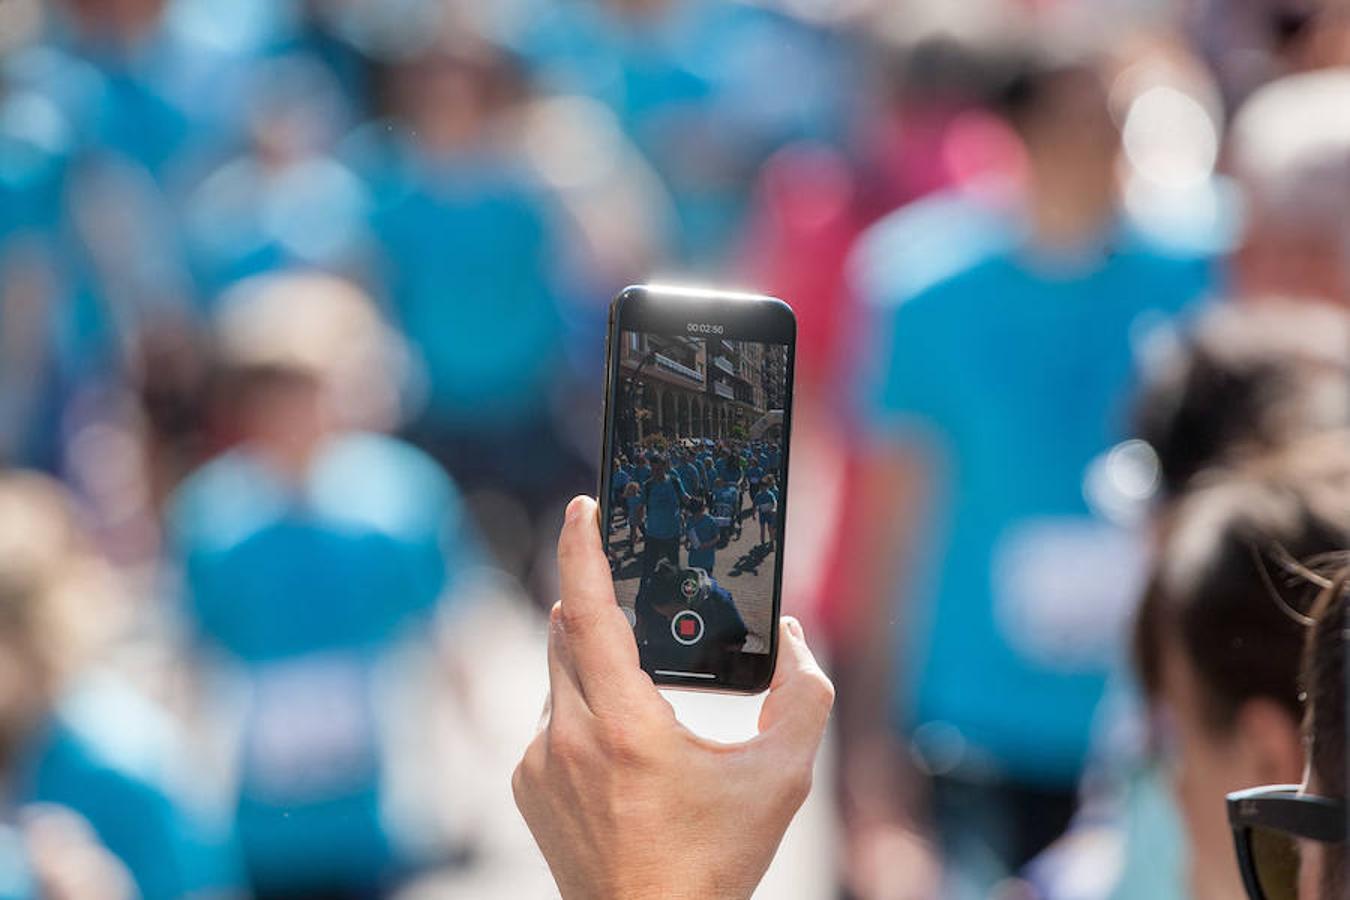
746 317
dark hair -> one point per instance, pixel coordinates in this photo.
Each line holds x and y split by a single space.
1324 680
1221 587
1244 381
1026 93
695 505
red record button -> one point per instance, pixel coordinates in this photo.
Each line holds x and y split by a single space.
687 627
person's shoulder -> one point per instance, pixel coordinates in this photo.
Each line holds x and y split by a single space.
105 739
383 483
1143 247
222 502
932 246
1175 273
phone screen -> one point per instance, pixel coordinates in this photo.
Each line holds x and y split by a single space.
694 487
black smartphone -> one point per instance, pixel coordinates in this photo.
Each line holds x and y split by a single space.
693 480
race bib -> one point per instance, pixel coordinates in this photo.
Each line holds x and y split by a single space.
1065 588
311 731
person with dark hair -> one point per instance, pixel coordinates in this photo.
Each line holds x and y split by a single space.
993 385
663 500
766 504
85 757
703 535
1218 638
686 620
1291 838
1324 679
1244 381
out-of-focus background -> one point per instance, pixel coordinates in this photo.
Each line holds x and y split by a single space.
301 345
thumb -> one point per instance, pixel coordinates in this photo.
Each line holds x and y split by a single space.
800 695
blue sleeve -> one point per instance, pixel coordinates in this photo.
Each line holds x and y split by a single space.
905 378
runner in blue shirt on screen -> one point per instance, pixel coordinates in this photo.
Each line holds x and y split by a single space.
766 504
754 475
773 459
725 500
632 504
703 535
663 500
691 476
619 481
643 470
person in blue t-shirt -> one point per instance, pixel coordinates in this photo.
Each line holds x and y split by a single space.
469 243
86 742
311 552
709 474
632 504
766 505
754 474
998 381
703 535
618 482
726 497
691 476
643 470
663 500
773 459
670 591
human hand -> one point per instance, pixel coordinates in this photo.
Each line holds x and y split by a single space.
623 800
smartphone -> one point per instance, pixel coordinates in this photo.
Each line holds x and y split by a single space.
693 479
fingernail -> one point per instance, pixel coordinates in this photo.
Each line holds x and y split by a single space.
577 508
794 627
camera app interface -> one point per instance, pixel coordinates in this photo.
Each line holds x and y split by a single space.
697 495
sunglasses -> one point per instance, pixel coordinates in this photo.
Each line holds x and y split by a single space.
1268 823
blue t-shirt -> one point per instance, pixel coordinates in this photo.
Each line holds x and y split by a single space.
468 246
705 531
754 474
766 502
664 500
634 503
1013 375
642 473
620 480
691 476
726 501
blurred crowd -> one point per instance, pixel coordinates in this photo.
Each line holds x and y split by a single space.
302 310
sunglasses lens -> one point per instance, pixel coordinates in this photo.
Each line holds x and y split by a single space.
1276 860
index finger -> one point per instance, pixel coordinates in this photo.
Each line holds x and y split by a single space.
599 640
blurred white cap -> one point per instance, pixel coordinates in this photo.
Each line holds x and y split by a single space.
320 325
